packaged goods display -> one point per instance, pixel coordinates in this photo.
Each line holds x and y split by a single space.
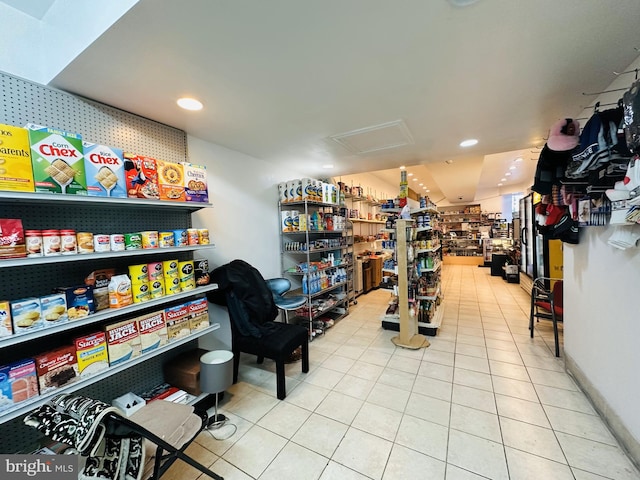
140 291
6 326
170 181
16 173
104 169
18 382
33 241
186 275
80 301
84 241
57 160
91 353
54 309
198 314
56 368
201 270
123 341
26 315
12 241
99 280
68 245
51 242
120 294
195 183
153 331
141 176
177 319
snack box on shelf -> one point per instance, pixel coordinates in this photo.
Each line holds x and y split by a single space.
54 309
195 183
198 314
170 181
80 301
141 176
26 315
153 331
16 173
18 382
123 341
104 170
56 368
91 353
178 325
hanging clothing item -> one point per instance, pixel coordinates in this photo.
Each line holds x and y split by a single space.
552 163
631 107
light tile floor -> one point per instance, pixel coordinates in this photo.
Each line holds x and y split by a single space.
484 400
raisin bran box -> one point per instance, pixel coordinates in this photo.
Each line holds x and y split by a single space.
58 160
18 382
195 183
170 181
104 170
153 330
91 353
123 341
177 319
56 368
198 314
141 176
16 173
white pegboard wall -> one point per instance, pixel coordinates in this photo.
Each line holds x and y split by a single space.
26 102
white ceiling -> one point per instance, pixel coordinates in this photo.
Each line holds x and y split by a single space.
34 8
279 78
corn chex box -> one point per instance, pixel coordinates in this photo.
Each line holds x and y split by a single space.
58 160
104 170
16 173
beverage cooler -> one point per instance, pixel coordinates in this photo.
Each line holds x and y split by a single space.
534 249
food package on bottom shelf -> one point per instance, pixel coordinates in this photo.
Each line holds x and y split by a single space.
26 315
123 341
91 353
153 330
198 314
56 368
178 325
18 382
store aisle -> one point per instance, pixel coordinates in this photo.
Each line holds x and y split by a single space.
483 401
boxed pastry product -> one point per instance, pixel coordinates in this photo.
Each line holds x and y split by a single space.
6 326
26 315
54 309
57 159
79 301
91 353
56 368
16 173
153 330
141 176
177 319
195 183
170 181
12 242
104 169
198 314
18 382
99 280
123 341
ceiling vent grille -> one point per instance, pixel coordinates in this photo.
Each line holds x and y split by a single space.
378 137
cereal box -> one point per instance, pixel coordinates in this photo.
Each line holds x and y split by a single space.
104 169
198 314
56 368
153 330
123 341
141 176
26 315
58 161
177 319
54 309
6 326
195 183
18 382
16 173
91 353
170 181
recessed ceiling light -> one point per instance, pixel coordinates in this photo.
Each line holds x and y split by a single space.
503 179
513 167
507 174
499 184
402 167
448 161
328 165
189 103
427 190
409 174
469 142
519 159
415 179
421 184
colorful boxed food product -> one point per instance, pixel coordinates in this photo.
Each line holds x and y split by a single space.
104 169
18 382
54 309
120 294
56 368
58 160
153 330
141 176
80 301
99 280
91 353
26 315
198 314
195 183
170 181
123 341
12 243
6 326
177 319
16 173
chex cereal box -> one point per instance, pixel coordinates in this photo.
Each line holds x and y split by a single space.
18 382
123 341
141 176
198 314
58 160
16 173
104 169
195 183
54 309
91 353
56 368
177 319
170 181
6 325
153 330
26 315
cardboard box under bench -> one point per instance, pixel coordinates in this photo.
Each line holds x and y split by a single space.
184 371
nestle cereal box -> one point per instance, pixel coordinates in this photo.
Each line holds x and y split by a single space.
104 169
26 315
56 368
153 330
198 314
18 382
91 353
141 176
54 309
170 181
58 160
123 341
195 183
6 326
177 319
16 173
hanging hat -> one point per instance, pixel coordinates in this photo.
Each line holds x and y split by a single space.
564 135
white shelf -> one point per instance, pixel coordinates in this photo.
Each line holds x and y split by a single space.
428 250
429 297
388 270
432 210
358 220
30 404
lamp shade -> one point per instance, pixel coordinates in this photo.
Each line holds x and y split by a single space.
216 371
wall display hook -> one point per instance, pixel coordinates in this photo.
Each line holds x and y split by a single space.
606 91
